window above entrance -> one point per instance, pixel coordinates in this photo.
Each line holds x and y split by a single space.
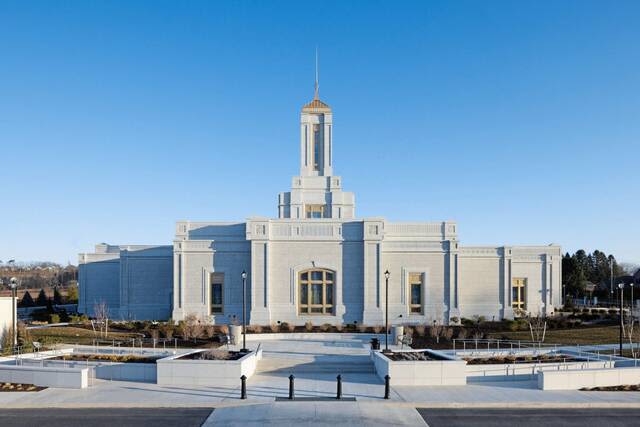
316 291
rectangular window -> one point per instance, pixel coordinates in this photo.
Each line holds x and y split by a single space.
217 293
316 147
314 211
415 288
519 293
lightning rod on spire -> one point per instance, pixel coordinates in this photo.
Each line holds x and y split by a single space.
317 84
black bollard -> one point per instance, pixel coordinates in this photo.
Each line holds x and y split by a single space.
387 379
243 387
339 390
291 392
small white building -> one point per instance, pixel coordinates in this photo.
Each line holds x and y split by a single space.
318 262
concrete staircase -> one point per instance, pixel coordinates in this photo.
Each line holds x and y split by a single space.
278 364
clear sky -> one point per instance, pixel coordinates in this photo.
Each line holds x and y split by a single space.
519 120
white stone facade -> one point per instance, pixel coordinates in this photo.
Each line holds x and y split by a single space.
316 229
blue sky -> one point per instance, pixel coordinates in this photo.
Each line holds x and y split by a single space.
519 120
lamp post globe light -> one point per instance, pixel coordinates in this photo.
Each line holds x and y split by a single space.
13 284
244 312
386 314
621 288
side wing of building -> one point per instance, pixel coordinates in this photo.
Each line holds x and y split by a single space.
135 282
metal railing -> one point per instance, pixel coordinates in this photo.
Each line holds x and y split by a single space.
498 345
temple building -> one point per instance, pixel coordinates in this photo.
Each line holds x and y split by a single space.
318 262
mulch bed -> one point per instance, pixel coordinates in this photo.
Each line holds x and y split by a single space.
504 360
213 355
19 387
406 356
634 387
126 358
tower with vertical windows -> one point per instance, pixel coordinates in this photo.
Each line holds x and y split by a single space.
316 193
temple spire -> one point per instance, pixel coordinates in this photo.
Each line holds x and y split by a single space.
315 96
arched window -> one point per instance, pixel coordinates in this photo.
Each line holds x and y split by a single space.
316 290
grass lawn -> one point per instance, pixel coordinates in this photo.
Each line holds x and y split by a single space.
585 335
74 335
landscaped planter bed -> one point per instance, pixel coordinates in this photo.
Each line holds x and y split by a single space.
404 356
529 358
437 370
20 387
213 355
194 369
113 358
634 387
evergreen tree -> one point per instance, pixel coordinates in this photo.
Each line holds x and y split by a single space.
72 294
27 300
57 297
41 301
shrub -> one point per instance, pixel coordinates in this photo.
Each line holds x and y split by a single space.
420 330
154 333
362 328
462 333
255 329
287 327
408 331
167 329
325 327
308 326
447 333
467 322
224 329
274 327
209 331
339 327
377 329
454 320
54 318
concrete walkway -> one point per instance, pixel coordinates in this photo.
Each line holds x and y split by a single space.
315 414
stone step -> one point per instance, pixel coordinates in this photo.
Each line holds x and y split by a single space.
297 365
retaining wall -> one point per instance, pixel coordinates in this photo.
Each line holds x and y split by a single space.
173 371
45 376
586 378
429 372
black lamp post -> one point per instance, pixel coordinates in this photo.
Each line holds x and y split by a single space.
244 312
13 284
386 315
621 288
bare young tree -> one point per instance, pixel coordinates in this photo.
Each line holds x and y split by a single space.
101 313
537 327
630 332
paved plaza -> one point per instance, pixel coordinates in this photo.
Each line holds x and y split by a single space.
314 362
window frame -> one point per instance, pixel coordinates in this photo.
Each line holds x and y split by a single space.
315 149
216 279
311 208
327 281
519 284
416 279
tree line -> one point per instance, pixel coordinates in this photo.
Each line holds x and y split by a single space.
590 273
42 300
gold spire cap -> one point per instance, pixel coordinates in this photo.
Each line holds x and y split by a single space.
316 106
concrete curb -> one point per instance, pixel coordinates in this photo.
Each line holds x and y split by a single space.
416 405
